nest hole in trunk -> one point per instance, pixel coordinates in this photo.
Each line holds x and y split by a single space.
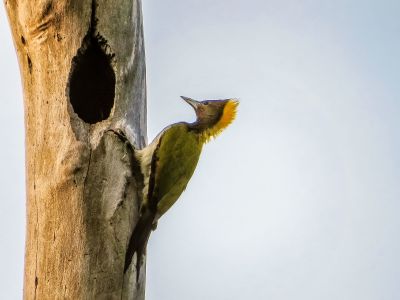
91 84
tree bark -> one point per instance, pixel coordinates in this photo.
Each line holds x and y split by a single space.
83 73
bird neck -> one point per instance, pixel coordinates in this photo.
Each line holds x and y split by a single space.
205 132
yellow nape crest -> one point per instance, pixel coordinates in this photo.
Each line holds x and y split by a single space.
227 117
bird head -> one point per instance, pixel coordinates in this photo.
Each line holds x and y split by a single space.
213 116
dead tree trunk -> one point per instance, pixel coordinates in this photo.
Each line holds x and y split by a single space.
83 72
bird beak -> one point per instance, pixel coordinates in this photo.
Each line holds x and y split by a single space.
191 102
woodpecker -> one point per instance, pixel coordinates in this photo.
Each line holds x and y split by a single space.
168 163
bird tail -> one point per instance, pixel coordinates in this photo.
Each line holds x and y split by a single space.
138 242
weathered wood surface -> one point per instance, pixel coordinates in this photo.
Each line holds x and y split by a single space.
83 73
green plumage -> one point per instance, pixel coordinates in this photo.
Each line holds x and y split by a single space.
176 159
170 162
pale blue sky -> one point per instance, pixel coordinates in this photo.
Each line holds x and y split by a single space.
299 198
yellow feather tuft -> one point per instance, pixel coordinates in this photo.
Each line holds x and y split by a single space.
228 115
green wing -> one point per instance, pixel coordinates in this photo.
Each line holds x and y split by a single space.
177 156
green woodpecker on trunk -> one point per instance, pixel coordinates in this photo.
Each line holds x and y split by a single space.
168 164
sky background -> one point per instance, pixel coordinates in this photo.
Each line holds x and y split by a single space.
300 197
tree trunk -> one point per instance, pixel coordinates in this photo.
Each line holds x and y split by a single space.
83 73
